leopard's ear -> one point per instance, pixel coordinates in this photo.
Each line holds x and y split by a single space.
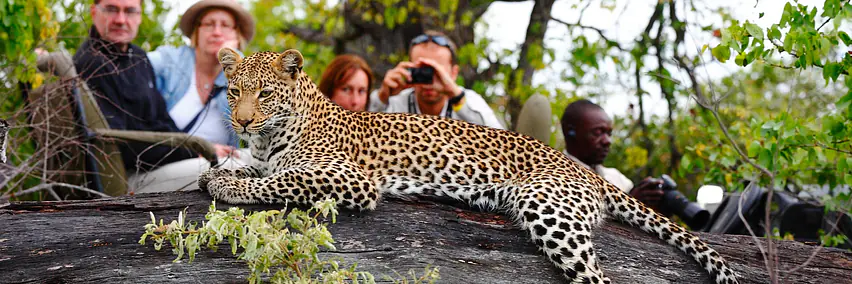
229 60
289 64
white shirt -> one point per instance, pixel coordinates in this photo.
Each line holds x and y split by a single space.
474 109
612 175
211 124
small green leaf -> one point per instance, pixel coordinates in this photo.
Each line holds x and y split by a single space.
721 52
831 71
760 15
774 33
844 37
843 164
754 30
753 148
765 158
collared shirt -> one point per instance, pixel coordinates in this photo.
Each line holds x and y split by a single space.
612 175
472 108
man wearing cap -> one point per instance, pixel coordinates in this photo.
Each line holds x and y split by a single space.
442 97
119 74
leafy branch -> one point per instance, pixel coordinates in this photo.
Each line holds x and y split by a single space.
268 240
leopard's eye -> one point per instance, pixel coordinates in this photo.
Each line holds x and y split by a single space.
265 93
234 92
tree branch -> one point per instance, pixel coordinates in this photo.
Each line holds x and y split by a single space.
310 35
45 186
599 31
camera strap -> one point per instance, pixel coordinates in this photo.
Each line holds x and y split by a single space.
213 93
412 108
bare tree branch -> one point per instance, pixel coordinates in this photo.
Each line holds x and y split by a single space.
45 186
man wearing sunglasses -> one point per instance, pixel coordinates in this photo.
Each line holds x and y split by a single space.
407 88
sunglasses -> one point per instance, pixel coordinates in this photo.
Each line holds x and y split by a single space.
439 40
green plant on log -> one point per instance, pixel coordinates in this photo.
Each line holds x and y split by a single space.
273 243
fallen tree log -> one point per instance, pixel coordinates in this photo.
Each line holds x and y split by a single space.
95 241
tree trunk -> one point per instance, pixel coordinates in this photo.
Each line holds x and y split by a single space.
97 242
523 73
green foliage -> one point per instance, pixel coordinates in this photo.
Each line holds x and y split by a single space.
272 243
809 142
76 21
25 25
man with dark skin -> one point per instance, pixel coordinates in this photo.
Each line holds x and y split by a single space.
587 130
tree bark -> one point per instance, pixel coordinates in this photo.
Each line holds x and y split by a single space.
97 242
523 73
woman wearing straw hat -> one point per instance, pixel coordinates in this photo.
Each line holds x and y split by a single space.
191 79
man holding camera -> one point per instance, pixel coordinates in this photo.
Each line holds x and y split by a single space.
587 129
427 85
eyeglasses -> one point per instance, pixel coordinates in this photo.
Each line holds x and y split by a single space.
112 11
209 26
439 40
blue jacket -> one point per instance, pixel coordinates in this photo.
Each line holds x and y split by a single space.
172 69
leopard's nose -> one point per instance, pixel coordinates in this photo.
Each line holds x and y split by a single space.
244 122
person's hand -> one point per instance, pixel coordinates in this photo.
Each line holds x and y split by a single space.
223 151
445 84
396 80
649 191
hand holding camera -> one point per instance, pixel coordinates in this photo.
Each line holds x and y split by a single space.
424 71
662 195
649 191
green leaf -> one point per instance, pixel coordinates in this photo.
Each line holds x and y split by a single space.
754 30
844 37
765 158
754 148
728 161
831 8
831 71
721 52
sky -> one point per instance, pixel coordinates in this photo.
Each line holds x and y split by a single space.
506 24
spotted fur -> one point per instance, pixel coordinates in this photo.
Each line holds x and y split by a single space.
306 149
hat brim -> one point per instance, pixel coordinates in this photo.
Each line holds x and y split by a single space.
245 21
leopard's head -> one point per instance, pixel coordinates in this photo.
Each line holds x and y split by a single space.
263 89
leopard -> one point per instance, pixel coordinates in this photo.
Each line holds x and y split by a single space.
306 149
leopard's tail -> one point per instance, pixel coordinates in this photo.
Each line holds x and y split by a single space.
627 209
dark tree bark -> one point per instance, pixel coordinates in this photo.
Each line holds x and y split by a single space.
97 242
539 17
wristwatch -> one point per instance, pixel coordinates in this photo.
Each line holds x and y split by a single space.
457 100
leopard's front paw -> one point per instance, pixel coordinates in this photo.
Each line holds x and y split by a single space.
208 175
229 189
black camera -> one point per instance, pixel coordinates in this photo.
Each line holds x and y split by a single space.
421 75
675 202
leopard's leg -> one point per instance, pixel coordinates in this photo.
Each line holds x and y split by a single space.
492 195
542 205
305 184
560 221
206 176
